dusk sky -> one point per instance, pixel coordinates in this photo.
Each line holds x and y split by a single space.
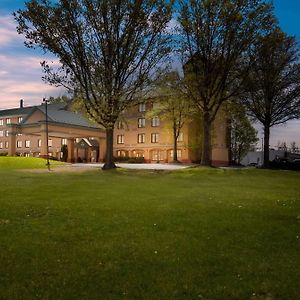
20 70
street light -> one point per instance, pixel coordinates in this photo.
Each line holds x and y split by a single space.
47 132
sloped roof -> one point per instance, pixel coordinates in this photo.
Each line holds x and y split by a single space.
58 114
21 111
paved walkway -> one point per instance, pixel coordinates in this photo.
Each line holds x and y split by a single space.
136 166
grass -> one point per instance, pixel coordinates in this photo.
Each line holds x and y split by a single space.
124 234
13 163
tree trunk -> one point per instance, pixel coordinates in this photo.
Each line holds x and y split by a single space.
266 145
175 158
206 146
109 157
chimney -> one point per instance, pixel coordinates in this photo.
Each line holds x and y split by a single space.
21 103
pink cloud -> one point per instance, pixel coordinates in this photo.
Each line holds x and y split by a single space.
8 33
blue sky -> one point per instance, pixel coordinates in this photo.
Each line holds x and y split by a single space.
20 71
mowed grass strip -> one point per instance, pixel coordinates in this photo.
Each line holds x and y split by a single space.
125 234
13 163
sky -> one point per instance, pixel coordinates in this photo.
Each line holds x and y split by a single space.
20 70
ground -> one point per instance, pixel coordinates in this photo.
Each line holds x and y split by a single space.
144 234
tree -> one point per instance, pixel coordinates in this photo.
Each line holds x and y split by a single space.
107 50
172 105
273 82
215 35
243 136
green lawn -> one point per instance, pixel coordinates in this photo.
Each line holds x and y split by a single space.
189 234
9 163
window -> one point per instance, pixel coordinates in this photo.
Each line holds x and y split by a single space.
20 119
120 125
64 141
121 153
27 144
8 121
180 137
6 133
141 122
19 134
155 105
141 138
39 143
157 155
142 107
120 139
19 144
50 143
155 122
1 122
179 153
1 133
1 145
6 145
154 137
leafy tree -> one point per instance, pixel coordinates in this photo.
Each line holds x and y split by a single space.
60 99
243 135
273 82
294 148
214 36
107 50
172 105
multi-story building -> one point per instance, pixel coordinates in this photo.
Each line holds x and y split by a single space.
23 131
137 135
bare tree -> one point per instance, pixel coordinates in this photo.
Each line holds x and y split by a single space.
273 82
215 34
107 49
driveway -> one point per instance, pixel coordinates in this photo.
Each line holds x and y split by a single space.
136 166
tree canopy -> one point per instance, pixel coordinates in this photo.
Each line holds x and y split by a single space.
107 50
273 82
214 36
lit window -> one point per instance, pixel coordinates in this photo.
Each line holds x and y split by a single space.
39 143
6 145
141 138
154 137
121 153
64 141
180 137
141 122
19 144
27 144
6 133
19 134
50 143
142 107
157 155
1 145
120 125
20 119
8 121
179 153
155 122
1 133
120 139
1 122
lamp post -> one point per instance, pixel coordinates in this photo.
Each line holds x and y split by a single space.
47 132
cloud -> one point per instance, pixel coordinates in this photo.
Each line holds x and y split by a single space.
8 33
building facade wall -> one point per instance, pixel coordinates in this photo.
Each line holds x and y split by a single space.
128 142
